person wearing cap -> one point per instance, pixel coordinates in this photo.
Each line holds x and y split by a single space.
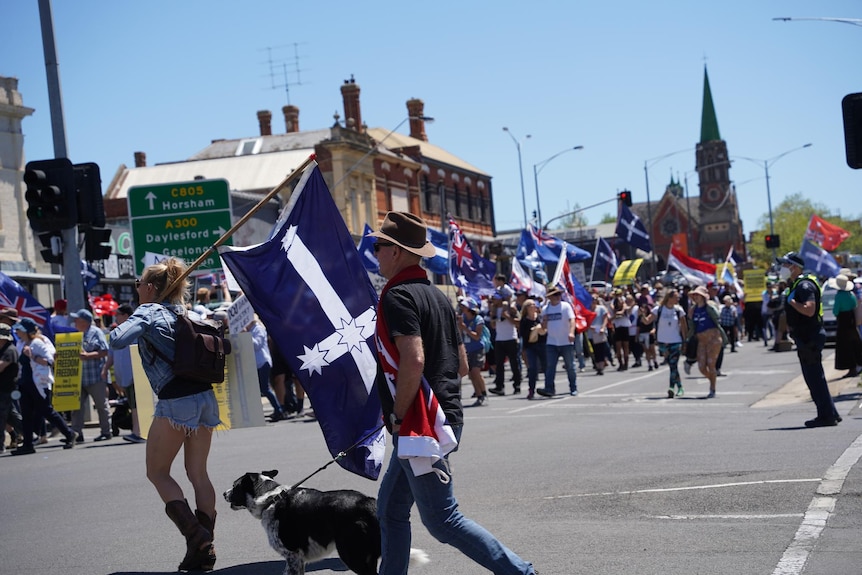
8 385
848 344
60 317
419 343
472 326
185 415
804 312
36 357
711 338
94 350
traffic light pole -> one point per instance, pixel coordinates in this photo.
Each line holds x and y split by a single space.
74 283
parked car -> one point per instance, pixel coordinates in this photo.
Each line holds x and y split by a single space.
830 324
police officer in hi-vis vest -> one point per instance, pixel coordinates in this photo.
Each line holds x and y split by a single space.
805 322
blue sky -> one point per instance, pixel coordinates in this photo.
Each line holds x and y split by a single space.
623 79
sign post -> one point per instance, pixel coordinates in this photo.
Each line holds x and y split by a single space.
182 219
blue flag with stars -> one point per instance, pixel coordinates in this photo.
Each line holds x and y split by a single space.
309 287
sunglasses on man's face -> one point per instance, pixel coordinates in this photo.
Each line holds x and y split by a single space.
379 244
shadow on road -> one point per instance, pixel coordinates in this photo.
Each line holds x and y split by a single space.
262 568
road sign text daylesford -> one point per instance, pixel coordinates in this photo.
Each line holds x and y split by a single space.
181 219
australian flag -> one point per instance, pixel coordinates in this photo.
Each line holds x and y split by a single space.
310 288
468 270
631 230
537 245
13 295
818 260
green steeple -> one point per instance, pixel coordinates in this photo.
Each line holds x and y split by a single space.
708 121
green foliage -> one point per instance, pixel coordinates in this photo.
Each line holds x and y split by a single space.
608 218
790 219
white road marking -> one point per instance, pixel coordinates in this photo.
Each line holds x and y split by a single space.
689 488
743 517
815 518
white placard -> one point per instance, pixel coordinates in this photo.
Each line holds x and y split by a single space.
240 314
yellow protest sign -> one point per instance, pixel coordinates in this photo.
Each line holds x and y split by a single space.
755 284
627 272
238 397
67 371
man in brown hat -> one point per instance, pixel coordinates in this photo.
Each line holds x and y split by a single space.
9 316
422 358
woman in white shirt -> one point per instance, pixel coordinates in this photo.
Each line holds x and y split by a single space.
671 333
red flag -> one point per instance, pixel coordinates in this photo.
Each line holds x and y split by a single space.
828 236
564 280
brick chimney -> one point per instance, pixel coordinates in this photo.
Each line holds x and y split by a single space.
140 160
352 113
291 118
264 118
416 111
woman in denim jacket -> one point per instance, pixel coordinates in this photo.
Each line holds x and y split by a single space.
185 415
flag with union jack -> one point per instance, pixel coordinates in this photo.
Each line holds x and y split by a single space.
468 270
13 295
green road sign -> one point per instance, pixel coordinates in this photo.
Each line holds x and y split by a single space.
183 219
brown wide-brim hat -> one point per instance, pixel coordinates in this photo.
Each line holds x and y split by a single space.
553 291
406 231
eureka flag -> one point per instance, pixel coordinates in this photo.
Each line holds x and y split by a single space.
818 260
631 230
309 287
829 236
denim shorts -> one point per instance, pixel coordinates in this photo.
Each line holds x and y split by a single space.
190 412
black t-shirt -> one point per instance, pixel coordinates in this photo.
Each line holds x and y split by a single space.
9 376
803 290
418 308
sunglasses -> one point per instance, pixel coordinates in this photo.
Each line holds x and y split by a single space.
378 244
139 282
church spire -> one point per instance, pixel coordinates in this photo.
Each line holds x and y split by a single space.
708 122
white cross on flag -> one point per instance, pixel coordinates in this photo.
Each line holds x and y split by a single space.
631 230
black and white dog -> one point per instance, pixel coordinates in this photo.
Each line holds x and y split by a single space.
305 525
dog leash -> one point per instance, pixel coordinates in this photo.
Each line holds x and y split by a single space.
341 455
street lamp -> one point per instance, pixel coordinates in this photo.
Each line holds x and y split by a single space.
766 164
647 164
538 168
520 171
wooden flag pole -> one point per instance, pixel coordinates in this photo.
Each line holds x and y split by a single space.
272 193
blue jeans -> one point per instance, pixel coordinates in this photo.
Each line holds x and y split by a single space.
265 390
438 509
535 354
553 353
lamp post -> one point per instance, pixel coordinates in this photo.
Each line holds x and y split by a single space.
766 164
647 164
538 168
520 171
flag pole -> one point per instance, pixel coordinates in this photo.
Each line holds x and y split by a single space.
241 222
595 256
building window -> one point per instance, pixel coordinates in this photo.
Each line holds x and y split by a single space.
427 195
248 147
457 197
469 203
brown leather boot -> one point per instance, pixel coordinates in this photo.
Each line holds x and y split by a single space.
198 538
206 557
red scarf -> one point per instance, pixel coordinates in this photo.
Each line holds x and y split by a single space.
424 436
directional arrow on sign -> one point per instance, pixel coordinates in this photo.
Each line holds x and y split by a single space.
152 198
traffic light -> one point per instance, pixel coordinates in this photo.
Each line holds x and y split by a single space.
773 241
50 195
53 244
851 106
91 207
626 198
97 244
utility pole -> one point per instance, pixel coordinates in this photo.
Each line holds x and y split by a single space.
71 257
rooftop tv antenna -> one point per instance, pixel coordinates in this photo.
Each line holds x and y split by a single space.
287 69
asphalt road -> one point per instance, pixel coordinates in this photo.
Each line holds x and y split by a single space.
618 480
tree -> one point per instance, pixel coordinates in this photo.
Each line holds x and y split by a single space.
608 218
790 219
571 218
